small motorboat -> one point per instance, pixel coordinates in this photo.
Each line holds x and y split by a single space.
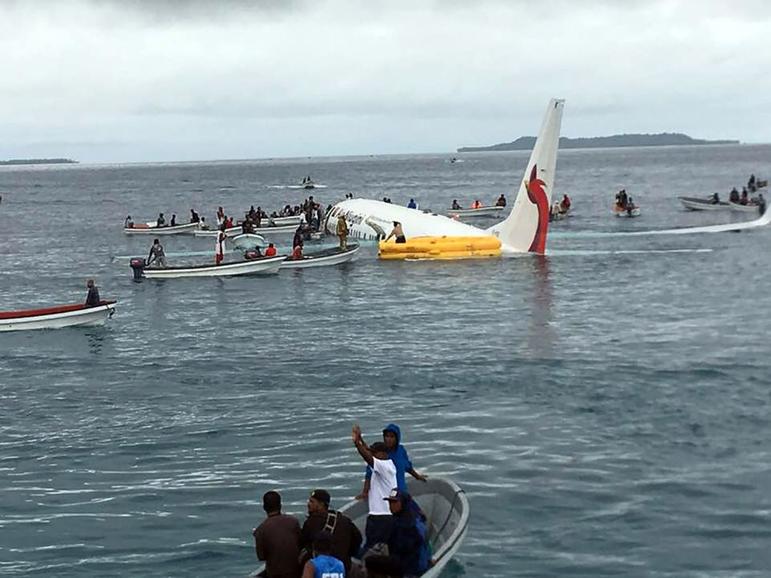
491 211
246 241
702 204
154 229
447 511
290 220
259 266
327 257
750 207
78 315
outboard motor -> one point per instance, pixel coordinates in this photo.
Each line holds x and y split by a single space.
138 266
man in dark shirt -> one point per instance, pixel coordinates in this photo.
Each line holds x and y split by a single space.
92 299
346 538
277 540
404 543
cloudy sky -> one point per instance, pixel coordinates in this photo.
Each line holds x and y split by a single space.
156 80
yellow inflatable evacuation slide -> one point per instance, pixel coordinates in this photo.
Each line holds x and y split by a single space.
441 248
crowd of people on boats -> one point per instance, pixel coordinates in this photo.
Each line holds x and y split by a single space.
477 204
330 545
744 198
624 203
560 208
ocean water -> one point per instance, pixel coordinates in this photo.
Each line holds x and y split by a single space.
606 407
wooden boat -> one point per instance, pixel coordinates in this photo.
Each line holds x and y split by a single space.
748 208
260 266
152 229
445 505
327 257
701 204
77 315
264 230
492 211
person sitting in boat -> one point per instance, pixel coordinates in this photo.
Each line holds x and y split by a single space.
297 253
455 205
247 227
477 204
324 563
270 251
715 199
92 299
412 204
229 223
203 225
128 223
161 222
157 255
194 218
744 199
501 202
398 233
630 206
751 183
405 542
554 210
565 204
173 220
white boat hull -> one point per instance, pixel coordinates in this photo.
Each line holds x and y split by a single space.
323 259
187 228
246 241
473 213
752 208
696 204
262 266
291 220
80 317
445 505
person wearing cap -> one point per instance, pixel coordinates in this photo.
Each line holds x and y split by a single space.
378 526
324 563
277 540
392 437
404 542
345 536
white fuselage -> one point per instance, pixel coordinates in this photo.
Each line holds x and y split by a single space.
370 219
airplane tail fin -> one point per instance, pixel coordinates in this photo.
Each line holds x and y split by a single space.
525 229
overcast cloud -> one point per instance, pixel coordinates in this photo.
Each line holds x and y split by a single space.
183 80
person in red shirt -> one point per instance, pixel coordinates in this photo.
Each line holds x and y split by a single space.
270 251
297 253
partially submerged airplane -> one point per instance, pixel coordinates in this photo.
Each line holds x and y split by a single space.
524 230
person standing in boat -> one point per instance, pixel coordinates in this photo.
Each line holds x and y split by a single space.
761 204
298 237
345 536
92 299
277 540
128 223
733 195
342 232
565 204
157 255
194 218
378 526
220 216
398 233
161 222
173 219
219 247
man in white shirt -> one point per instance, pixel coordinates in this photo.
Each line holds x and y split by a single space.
379 520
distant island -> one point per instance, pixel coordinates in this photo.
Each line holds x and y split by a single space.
39 162
526 143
